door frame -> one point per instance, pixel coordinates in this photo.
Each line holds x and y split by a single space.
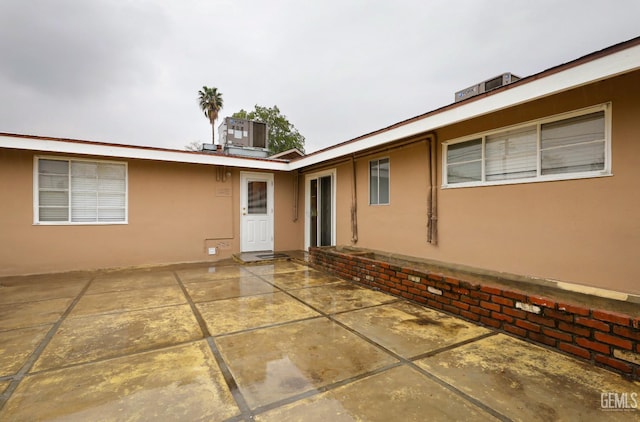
268 177
307 204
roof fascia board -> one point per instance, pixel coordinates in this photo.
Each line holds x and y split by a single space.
609 66
135 153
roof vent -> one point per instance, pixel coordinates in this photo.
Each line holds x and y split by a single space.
486 86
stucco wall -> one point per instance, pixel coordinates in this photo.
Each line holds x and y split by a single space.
289 234
176 211
580 231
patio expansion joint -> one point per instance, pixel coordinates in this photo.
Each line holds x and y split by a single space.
262 327
323 389
461 393
410 363
232 385
453 346
192 305
116 357
401 361
19 376
261 409
393 299
230 380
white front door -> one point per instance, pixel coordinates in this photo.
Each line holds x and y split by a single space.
256 212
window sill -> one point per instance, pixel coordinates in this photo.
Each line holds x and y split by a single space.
553 178
65 223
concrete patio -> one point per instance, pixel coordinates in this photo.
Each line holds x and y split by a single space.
273 341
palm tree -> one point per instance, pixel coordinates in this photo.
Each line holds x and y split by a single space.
210 102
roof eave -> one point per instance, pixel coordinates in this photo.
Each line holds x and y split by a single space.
117 151
529 89
611 62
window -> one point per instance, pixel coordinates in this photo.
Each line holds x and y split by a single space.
379 182
573 145
551 149
465 161
257 197
79 191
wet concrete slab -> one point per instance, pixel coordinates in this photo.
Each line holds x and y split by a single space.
90 338
237 314
122 281
276 363
276 267
299 279
408 329
286 344
177 383
69 278
527 382
128 300
206 291
24 291
341 296
212 272
17 345
4 385
400 393
29 314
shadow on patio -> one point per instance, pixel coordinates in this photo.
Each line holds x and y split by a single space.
272 341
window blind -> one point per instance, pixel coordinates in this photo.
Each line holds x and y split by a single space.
564 147
573 145
511 154
81 191
464 162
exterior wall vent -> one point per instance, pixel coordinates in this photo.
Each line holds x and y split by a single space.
486 86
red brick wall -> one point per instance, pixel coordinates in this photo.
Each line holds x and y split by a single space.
604 338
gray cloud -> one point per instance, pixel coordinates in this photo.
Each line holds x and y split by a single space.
76 49
129 71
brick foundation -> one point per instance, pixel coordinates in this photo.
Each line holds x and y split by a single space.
604 338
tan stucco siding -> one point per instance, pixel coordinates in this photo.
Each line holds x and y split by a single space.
580 231
403 222
175 213
289 234
344 174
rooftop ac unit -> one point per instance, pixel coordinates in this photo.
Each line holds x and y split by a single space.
243 133
486 86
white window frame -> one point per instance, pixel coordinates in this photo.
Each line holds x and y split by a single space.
307 204
369 182
605 172
36 190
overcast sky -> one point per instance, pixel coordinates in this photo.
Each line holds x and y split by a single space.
129 71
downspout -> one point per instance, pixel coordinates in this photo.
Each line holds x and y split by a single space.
296 177
354 203
432 198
